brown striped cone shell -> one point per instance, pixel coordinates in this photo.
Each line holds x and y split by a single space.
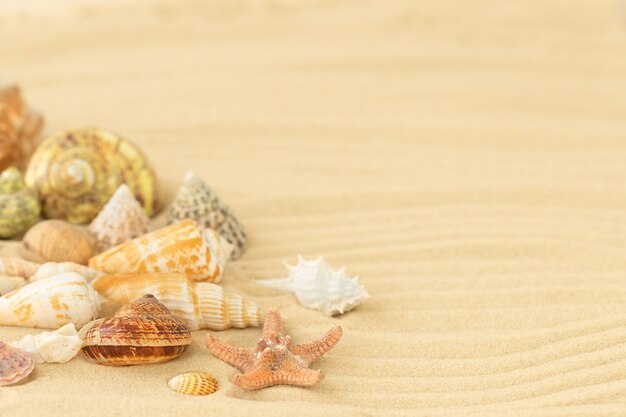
183 247
19 127
197 201
140 333
50 269
201 304
19 205
194 383
17 267
15 364
57 241
121 219
76 172
51 303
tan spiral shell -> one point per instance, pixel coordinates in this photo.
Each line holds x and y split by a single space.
57 241
194 383
76 172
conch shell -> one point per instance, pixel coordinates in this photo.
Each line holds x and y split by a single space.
194 383
8 284
122 218
51 303
50 269
77 171
317 286
19 127
15 364
59 346
19 205
141 333
57 241
181 247
201 304
16 267
197 201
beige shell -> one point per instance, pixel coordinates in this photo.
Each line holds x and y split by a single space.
17 267
197 201
59 346
19 205
8 284
19 127
50 269
76 172
57 241
201 304
51 303
194 383
122 218
182 247
15 364
141 333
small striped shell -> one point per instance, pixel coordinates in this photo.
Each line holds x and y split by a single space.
194 383
19 205
15 364
57 241
16 267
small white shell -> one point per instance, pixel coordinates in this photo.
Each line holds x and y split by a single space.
317 286
50 269
59 346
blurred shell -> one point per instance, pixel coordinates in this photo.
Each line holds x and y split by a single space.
19 127
15 364
201 304
50 269
59 346
317 286
121 219
51 303
19 205
194 383
77 171
17 267
57 241
8 284
197 201
182 247
141 333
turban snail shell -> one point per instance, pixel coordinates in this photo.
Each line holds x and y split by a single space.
19 205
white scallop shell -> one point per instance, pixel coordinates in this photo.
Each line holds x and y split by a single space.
50 269
59 346
317 286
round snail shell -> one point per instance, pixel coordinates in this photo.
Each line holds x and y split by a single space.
57 241
77 171
194 383
19 205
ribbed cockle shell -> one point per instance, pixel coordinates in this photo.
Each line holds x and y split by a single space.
201 304
77 171
183 247
140 333
19 205
15 364
59 346
194 383
57 241
121 219
51 303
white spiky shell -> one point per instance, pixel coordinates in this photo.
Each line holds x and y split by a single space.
50 269
59 346
317 286
121 219
51 303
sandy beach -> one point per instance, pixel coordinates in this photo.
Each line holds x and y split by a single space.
467 160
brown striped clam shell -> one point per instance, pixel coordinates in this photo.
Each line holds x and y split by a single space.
194 383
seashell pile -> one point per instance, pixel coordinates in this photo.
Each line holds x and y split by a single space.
77 171
19 205
15 364
194 383
195 200
201 304
57 241
122 218
141 333
181 247
19 127
51 303
317 286
59 346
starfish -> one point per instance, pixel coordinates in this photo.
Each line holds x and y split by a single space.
275 360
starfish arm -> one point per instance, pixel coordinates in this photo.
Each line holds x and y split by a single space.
238 357
273 324
289 373
309 352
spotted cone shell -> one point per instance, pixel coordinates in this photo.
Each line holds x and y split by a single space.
197 201
15 364
19 205
194 383
57 241
77 171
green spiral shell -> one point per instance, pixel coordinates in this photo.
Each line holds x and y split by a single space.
19 205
